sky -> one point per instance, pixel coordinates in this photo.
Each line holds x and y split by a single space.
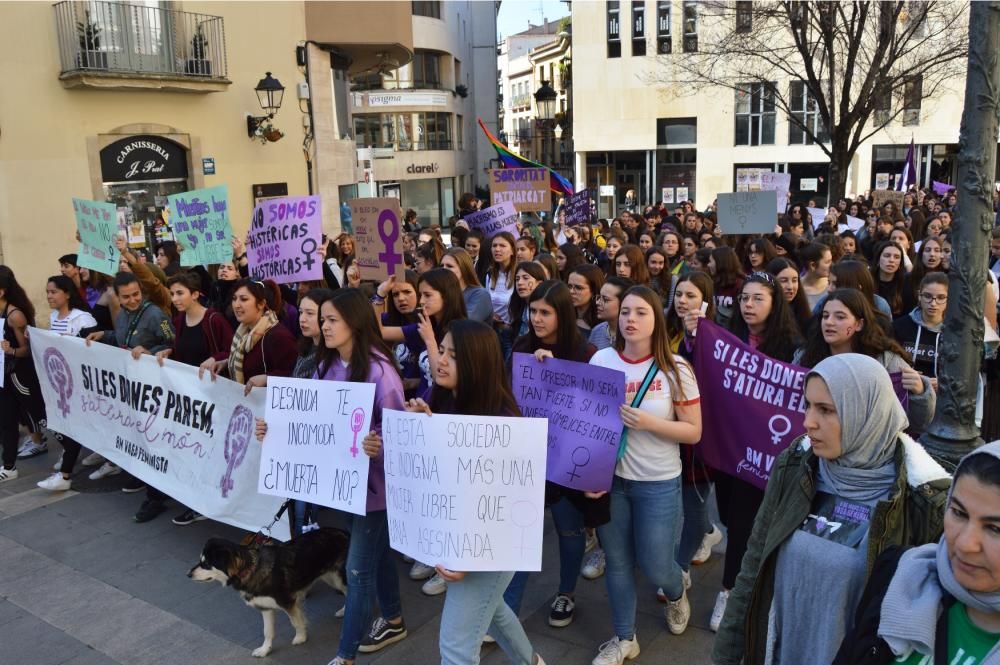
515 14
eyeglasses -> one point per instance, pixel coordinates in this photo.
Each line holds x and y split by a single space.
927 298
604 300
577 287
757 299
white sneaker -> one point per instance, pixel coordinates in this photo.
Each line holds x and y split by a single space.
704 551
488 639
55 483
435 586
107 469
591 541
616 651
93 459
678 614
32 449
340 613
593 566
719 610
8 474
26 441
58 464
421 571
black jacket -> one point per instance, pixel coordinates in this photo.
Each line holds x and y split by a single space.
863 646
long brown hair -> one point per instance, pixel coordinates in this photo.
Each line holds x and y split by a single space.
660 342
368 346
479 362
702 282
638 272
464 261
495 269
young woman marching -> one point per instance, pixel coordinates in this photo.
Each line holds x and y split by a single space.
353 350
469 359
816 258
500 284
662 411
554 334
764 321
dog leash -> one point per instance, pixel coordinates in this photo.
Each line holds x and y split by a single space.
263 536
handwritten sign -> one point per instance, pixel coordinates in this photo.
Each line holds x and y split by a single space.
312 450
191 439
747 212
284 236
200 219
881 197
778 183
97 223
378 238
527 189
494 219
581 404
578 210
466 492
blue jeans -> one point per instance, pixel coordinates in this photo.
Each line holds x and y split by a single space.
645 527
696 521
370 571
474 606
572 546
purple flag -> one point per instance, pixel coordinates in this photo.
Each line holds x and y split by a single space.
909 175
941 188
581 402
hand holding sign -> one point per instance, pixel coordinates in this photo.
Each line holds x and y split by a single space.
377 238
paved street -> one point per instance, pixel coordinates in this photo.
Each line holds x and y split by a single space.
82 584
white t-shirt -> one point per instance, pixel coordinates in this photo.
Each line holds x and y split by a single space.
74 322
500 294
647 456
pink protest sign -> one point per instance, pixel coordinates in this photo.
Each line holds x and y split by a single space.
378 238
284 236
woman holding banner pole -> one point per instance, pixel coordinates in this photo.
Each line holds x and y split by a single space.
854 485
662 412
470 358
763 320
553 333
353 350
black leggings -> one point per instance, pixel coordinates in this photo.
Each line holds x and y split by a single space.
8 422
738 505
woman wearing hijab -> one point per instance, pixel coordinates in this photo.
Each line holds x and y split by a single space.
939 603
854 485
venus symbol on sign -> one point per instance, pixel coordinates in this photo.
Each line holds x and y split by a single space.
578 461
389 256
775 434
357 420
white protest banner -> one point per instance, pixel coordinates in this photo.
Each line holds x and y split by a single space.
97 224
854 223
3 356
778 183
192 439
466 492
817 215
747 212
311 450
494 219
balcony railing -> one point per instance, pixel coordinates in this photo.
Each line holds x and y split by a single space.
121 38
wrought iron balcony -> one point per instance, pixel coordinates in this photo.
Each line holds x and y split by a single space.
116 38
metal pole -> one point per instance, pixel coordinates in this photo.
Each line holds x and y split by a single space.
953 432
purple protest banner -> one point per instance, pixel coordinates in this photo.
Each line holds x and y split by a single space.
495 219
764 392
284 236
578 208
581 403
941 188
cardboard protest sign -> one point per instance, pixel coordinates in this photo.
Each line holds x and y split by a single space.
743 213
378 238
881 197
494 219
312 450
466 492
192 439
581 404
778 183
578 209
766 393
97 224
200 219
284 236
527 189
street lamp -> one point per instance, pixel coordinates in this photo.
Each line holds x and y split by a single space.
545 100
270 92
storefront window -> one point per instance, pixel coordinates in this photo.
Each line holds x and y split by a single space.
422 196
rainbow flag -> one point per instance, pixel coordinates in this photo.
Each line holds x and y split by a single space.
511 160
